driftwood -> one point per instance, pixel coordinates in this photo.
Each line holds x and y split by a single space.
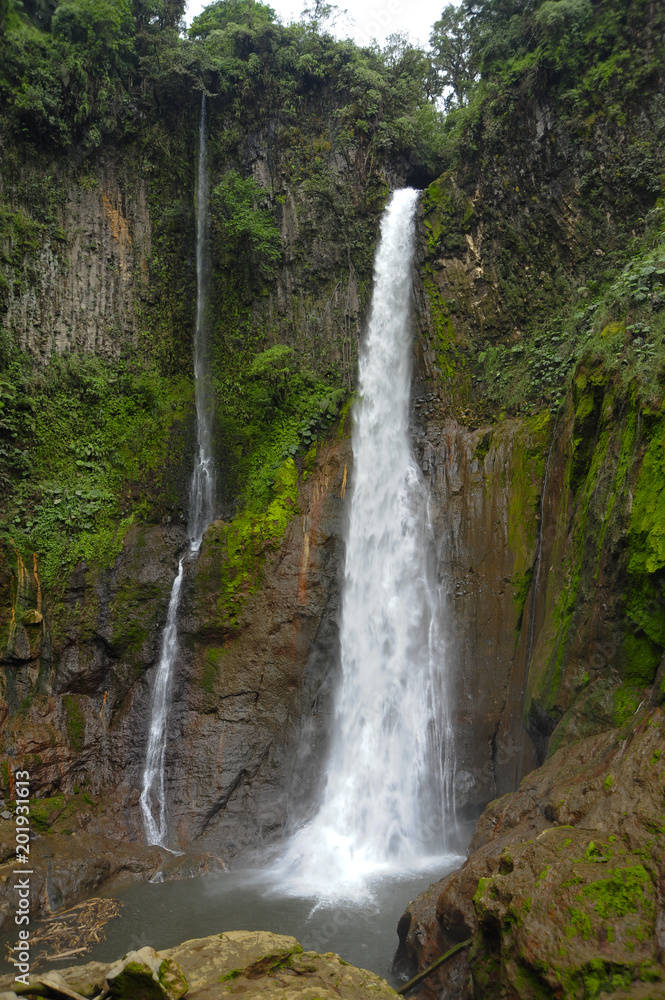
75 931
432 968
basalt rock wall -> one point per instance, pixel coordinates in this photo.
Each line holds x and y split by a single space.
250 693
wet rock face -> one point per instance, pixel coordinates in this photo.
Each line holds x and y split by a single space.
246 738
86 285
564 881
485 493
251 710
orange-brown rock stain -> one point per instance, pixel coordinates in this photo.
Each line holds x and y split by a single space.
314 493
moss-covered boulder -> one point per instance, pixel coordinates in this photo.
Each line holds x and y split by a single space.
144 975
562 891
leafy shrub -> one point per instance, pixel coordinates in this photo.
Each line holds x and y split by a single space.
246 237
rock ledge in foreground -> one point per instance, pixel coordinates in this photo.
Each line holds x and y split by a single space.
243 964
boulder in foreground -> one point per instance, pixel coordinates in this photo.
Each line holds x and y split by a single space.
243 964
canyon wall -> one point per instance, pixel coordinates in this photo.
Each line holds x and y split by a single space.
537 422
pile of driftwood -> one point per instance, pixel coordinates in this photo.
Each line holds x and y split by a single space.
75 931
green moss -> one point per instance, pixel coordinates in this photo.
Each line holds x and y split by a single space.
609 781
233 974
580 924
344 429
524 489
521 582
309 462
597 853
447 213
588 392
641 659
136 982
626 890
626 703
506 863
483 447
74 722
647 520
529 984
644 640
250 537
626 456
212 664
450 360
484 884
44 812
172 979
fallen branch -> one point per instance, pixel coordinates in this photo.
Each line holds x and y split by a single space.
432 968
64 954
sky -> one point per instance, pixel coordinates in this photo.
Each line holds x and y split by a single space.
365 19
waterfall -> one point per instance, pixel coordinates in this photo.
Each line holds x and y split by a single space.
202 489
390 774
153 798
201 513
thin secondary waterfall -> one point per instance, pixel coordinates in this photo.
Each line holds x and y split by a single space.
202 489
201 513
391 768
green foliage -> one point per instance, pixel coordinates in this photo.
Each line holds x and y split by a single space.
553 43
268 408
250 536
102 29
647 522
620 330
83 68
451 43
219 15
246 237
74 436
68 82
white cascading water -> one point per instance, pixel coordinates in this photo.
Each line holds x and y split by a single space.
389 789
202 489
201 513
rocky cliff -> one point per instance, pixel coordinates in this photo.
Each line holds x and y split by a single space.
540 300
537 422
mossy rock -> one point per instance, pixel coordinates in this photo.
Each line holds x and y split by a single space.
143 975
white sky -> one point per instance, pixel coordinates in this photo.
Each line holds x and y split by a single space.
365 19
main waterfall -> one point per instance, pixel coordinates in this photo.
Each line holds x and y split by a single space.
201 513
388 793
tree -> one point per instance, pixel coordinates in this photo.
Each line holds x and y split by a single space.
245 235
102 29
451 44
225 12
